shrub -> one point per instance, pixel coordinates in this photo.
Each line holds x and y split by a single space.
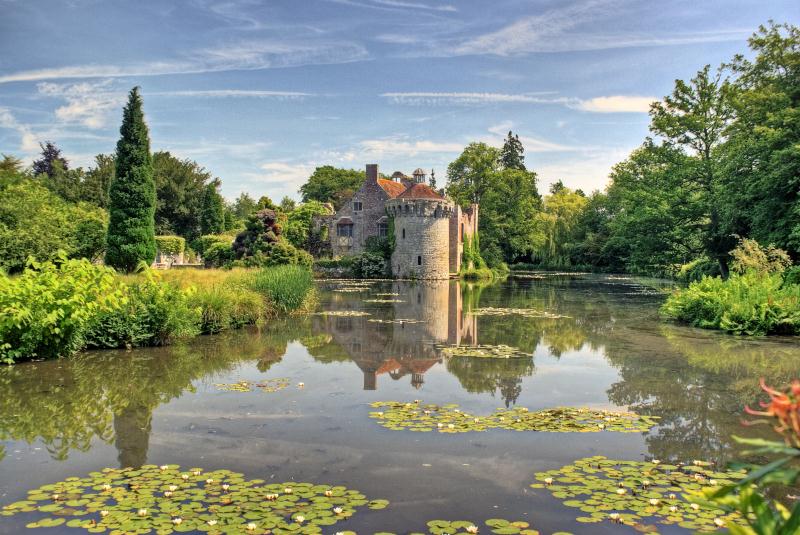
750 256
751 304
171 245
46 311
791 276
697 269
286 287
218 254
203 243
156 313
370 266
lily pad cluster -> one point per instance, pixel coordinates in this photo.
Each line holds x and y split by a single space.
493 525
265 385
633 492
343 313
387 294
384 301
416 416
167 500
482 351
351 289
525 312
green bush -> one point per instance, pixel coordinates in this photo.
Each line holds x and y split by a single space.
203 243
286 287
279 253
370 266
156 313
791 276
225 306
752 304
697 269
47 310
218 254
171 245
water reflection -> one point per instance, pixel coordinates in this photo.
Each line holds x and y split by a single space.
696 382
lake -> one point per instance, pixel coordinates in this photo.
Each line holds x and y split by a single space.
600 345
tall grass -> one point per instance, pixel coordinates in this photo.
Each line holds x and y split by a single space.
288 288
750 304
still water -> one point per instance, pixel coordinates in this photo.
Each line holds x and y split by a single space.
162 406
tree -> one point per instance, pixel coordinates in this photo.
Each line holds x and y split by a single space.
180 189
695 117
299 222
331 184
432 180
287 205
10 164
558 223
512 155
244 205
97 180
470 175
51 158
212 219
132 195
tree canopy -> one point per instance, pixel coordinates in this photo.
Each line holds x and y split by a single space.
332 184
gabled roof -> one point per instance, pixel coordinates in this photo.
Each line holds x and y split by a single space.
392 188
420 191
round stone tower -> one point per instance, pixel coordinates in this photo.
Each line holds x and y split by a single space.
421 229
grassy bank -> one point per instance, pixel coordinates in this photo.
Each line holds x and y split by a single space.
53 310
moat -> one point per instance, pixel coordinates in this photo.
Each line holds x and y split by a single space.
600 345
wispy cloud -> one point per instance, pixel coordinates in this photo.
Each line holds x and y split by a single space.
434 98
233 93
88 104
243 55
396 5
398 147
602 104
617 104
28 142
531 144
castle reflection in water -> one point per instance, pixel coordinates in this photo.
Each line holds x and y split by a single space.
383 344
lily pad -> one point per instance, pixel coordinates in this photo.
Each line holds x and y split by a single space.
526 312
265 385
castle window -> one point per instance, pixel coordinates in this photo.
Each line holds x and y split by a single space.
357 206
404 234
383 229
345 230
419 260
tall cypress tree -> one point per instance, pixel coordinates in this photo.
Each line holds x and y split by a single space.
132 194
212 216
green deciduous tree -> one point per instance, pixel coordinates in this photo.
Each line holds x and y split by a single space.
332 184
471 174
97 180
180 189
132 195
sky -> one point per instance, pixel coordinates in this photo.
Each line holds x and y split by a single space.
260 92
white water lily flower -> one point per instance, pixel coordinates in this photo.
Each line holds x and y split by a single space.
694 506
672 496
197 472
548 481
380 414
338 510
601 426
646 483
299 519
655 461
209 481
654 501
621 491
288 490
712 482
163 467
225 486
673 508
450 426
476 420
167 493
251 526
142 512
440 425
56 496
104 513
416 401
328 493
106 487
719 522
614 516
212 522
173 487
472 529
300 385
177 521
184 476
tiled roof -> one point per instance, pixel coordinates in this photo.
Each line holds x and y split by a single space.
420 191
392 188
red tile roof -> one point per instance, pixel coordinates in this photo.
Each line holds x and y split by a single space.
392 188
420 191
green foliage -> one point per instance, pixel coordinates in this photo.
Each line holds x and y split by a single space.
751 304
331 184
512 155
131 229
46 311
203 243
558 222
697 269
155 313
471 175
369 265
97 180
287 287
218 254
212 211
298 229
36 222
791 276
228 306
750 256
171 245
180 190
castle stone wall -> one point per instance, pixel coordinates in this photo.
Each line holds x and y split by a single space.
422 232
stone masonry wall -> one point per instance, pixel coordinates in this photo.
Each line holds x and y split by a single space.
422 232
463 226
365 221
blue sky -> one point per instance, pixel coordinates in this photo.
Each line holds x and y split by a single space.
261 92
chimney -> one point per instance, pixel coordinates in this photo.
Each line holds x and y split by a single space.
372 172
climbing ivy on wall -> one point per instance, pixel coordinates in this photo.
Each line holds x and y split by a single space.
471 257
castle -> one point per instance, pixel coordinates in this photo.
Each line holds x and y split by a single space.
429 229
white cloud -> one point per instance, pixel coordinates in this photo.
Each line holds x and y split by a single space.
398 147
88 103
531 144
28 141
396 5
423 98
588 171
244 55
284 173
232 93
617 104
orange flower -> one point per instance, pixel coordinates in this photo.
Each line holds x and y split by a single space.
785 408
